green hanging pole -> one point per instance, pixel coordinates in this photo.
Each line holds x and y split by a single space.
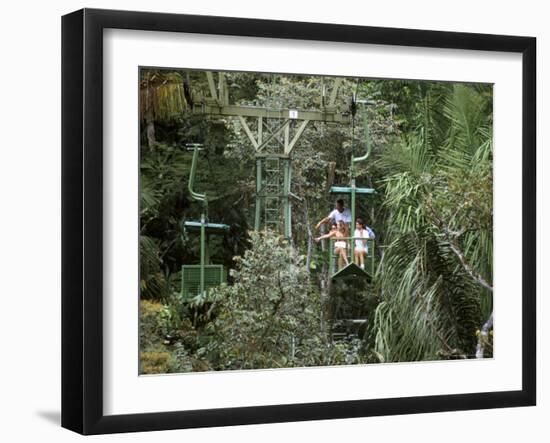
353 188
203 237
202 198
352 177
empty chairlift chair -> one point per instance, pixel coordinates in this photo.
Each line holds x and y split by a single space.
197 279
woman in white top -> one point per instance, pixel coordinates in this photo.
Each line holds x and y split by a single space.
361 235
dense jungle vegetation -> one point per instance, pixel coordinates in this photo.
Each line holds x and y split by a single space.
431 165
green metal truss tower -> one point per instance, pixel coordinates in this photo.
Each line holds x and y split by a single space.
273 205
273 133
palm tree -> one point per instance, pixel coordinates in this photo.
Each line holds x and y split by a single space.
437 267
162 98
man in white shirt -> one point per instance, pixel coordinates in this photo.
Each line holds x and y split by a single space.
339 213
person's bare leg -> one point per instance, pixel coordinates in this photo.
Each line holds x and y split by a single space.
343 254
340 261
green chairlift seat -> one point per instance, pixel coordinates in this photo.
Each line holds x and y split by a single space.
352 270
214 275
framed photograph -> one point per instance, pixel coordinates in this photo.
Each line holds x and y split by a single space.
269 221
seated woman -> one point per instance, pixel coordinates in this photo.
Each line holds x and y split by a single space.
361 235
340 233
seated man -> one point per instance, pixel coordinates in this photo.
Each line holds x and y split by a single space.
339 213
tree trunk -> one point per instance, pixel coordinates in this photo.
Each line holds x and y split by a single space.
483 337
149 119
150 128
309 236
331 171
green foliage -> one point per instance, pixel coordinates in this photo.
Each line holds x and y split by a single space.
162 93
438 200
168 341
155 362
431 164
271 315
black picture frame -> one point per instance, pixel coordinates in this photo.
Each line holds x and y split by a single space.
82 215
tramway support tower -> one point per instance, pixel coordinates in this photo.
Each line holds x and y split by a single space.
273 133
